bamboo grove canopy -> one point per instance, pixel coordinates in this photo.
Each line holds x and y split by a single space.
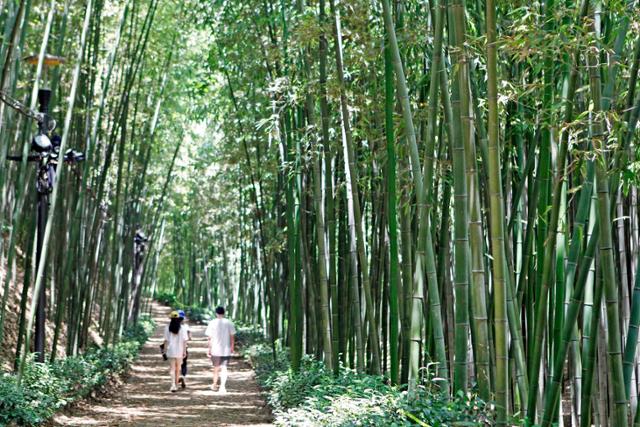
407 188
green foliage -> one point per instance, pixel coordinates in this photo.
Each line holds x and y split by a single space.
33 401
195 313
14 405
313 396
140 331
247 335
79 374
47 387
198 314
264 364
167 298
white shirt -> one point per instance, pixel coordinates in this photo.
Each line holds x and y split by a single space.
176 342
186 327
219 331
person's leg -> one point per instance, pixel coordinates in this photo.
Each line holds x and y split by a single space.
183 367
172 372
183 373
223 374
216 371
177 370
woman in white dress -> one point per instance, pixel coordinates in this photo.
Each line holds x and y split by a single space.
175 339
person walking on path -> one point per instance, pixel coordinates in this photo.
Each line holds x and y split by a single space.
221 333
175 347
183 367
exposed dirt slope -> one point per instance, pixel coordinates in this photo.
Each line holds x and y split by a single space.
8 349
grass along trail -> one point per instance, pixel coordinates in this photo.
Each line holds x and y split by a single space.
145 399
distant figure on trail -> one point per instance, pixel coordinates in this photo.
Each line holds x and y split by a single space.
183 367
175 347
221 334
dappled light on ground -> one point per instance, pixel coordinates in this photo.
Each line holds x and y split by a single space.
145 399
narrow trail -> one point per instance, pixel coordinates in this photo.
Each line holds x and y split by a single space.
145 399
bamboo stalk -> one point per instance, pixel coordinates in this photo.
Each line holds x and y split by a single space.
424 251
497 224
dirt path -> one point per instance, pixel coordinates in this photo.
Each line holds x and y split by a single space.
145 399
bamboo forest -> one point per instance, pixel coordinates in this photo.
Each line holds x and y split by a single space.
349 212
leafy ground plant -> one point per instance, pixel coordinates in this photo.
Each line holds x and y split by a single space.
315 397
167 298
47 387
195 313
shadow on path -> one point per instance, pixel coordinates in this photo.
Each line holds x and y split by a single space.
145 399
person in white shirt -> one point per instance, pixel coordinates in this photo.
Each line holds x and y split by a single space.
175 347
221 333
183 367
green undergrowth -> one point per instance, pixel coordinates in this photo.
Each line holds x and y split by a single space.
195 313
247 335
315 397
166 298
47 387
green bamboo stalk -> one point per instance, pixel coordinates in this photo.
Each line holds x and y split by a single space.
352 192
561 288
433 278
550 241
325 312
19 199
407 269
392 221
497 224
590 320
620 414
589 349
460 102
424 251
479 279
328 182
575 247
24 297
552 394
632 337
544 248
14 34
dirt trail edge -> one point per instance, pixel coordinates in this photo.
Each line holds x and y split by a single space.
145 399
